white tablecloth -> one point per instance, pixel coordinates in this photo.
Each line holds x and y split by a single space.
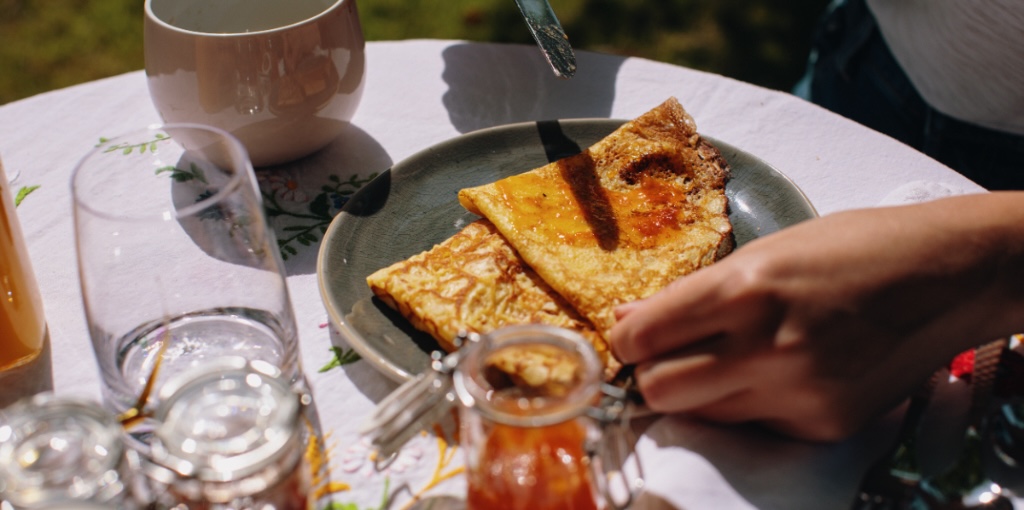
422 92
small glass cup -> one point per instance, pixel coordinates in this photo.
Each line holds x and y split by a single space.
178 267
231 435
58 452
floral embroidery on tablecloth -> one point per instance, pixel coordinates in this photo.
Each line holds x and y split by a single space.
304 211
446 456
359 459
126 148
341 357
282 186
23 192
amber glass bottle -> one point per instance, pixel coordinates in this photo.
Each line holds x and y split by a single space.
22 324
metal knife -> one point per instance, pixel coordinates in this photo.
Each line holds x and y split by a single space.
550 36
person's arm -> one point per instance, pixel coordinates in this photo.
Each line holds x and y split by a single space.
818 328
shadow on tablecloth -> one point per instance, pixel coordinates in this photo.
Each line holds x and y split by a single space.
301 198
744 467
523 88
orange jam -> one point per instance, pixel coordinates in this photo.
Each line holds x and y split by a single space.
532 468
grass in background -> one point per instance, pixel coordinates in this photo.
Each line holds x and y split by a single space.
50 44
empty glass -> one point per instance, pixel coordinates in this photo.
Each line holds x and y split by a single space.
177 265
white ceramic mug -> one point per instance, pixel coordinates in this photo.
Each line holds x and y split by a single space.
283 76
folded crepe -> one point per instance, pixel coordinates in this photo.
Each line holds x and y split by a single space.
622 219
565 243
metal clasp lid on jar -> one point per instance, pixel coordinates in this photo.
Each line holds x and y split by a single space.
58 451
231 430
424 400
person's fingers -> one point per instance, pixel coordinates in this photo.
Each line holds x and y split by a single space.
624 309
789 417
684 312
687 381
747 322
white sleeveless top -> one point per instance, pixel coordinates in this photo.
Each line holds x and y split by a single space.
965 57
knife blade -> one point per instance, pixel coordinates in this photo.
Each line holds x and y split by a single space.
550 36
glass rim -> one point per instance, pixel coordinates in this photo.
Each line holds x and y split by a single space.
152 16
242 454
41 414
234 182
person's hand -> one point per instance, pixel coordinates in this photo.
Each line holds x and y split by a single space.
820 327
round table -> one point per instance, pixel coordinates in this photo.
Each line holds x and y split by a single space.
422 92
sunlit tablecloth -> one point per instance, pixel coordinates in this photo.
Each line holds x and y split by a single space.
422 92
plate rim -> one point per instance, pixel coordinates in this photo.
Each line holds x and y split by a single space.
385 366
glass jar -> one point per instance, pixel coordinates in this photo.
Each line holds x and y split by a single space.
57 451
231 436
538 428
22 325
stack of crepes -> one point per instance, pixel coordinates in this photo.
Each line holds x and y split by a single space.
566 243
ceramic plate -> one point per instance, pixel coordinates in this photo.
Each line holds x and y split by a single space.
413 206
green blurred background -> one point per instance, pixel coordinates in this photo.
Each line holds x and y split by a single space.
49 44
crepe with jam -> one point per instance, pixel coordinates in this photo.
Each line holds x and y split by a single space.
622 219
565 243
475 282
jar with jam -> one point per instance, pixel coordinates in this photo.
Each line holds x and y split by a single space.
538 428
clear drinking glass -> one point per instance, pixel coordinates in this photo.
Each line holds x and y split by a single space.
177 264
